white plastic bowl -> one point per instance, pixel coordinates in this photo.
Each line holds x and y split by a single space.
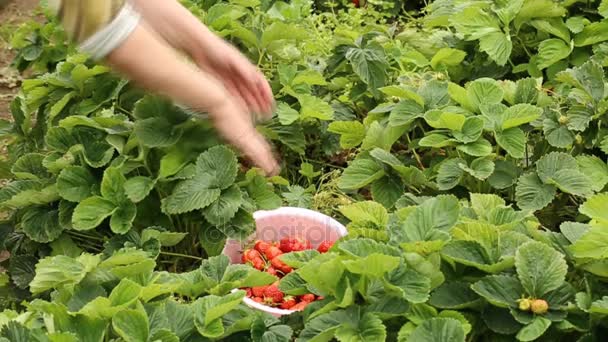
273 225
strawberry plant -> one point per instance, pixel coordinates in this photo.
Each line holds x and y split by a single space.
463 144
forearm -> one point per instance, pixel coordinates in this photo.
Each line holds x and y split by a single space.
149 62
177 25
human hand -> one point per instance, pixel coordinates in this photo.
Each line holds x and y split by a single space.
241 78
235 124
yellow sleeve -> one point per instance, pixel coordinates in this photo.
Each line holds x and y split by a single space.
98 26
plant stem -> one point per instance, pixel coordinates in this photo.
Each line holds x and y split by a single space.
181 255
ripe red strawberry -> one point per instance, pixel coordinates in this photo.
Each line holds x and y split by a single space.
281 266
271 270
253 258
249 292
309 297
273 293
258 299
300 306
258 291
288 303
262 246
325 246
294 244
272 252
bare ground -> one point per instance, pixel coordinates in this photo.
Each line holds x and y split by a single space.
12 14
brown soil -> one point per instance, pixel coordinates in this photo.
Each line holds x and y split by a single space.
12 14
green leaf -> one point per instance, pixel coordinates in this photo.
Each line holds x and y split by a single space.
278 31
436 140
75 183
29 166
453 295
123 217
314 107
364 247
369 64
265 330
534 330
367 328
405 112
513 140
41 224
131 325
411 285
549 164
366 211
498 46
447 57
58 271
158 120
526 91
190 195
470 131
209 310
554 26
484 91
220 163
286 114
500 290
505 174
480 148
480 168
472 253
572 181
520 114
438 329
138 188
588 77
351 133
323 327
374 265
224 208
360 173
540 268
550 51
557 135
450 173
592 34
434 93
438 213
474 22
439 119
89 213
594 169
112 185
594 207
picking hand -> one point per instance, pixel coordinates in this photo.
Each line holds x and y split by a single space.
235 124
240 77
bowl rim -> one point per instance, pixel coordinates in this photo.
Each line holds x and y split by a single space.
302 212
269 309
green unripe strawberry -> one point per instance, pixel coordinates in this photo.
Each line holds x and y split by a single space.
539 306
524 304
563 119
578 139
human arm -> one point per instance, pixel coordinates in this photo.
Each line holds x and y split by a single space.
112 30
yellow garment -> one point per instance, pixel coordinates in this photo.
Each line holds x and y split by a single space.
98 26
82 18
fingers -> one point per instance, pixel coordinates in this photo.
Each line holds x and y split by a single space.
253 87
235 126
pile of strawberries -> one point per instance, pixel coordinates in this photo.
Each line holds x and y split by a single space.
264 256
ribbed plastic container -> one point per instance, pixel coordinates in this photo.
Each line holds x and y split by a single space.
273 225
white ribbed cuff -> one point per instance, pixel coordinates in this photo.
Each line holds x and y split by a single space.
104 41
